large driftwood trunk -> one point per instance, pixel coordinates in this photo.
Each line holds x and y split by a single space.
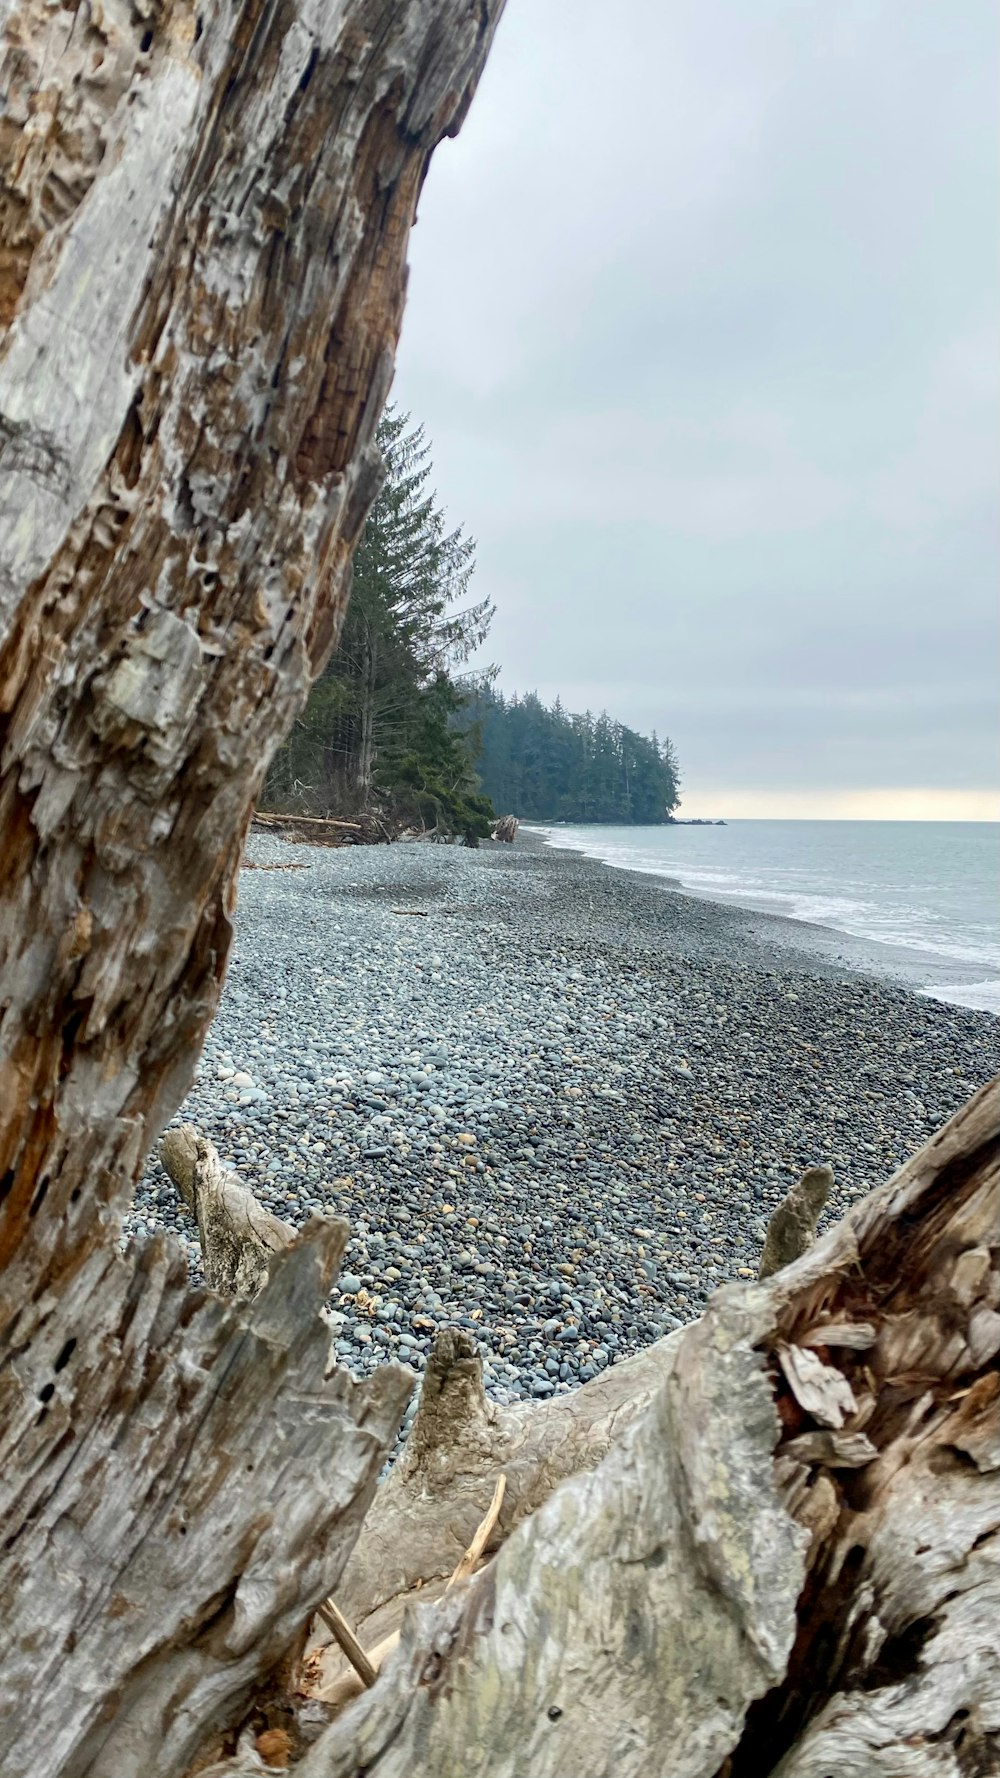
203 225
846 1414
789 1564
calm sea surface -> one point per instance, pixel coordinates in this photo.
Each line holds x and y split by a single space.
931 886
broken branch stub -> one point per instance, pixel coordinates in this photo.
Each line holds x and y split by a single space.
239 1238
791 1229
438 1492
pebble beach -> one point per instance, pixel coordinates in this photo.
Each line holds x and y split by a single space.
555 1101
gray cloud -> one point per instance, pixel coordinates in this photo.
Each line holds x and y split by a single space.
701 325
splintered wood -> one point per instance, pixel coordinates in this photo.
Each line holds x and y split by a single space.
204 216
788 1564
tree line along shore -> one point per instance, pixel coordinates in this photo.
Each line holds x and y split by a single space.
400 730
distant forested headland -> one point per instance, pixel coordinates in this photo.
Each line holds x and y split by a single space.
395 727
544 764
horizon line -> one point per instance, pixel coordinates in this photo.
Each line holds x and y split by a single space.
881 804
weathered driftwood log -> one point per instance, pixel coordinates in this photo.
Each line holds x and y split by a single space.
789 1564
506 828
324 830
203 225
239 1238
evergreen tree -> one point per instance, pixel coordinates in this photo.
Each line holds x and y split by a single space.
380 720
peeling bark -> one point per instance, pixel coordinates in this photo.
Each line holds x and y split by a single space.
203 225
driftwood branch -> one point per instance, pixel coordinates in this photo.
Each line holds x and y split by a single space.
345 1638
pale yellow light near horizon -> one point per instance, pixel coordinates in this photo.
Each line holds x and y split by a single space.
842 805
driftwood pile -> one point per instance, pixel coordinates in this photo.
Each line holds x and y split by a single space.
365 829
322 830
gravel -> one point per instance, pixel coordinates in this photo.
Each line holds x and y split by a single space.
557 1103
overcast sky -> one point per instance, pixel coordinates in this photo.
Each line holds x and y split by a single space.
702 326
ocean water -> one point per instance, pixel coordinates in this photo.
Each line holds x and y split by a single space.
932 887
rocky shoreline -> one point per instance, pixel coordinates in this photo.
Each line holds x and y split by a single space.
556 1102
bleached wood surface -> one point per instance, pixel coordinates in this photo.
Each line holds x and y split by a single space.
204 214
439 1489
789 1564
461 1441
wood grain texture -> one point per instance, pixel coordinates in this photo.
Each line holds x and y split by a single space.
204 214
427 1510
739 1589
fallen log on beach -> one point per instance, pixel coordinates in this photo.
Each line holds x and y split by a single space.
324 830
